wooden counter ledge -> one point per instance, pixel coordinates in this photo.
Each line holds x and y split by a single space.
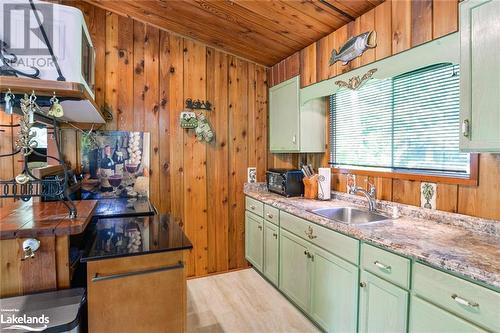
27 219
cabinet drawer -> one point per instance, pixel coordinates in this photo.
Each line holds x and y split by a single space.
426 317
254 206
272 214
387 265
334 242
468 300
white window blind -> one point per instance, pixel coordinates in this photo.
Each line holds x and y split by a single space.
409 122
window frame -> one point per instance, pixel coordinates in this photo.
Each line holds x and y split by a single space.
413 175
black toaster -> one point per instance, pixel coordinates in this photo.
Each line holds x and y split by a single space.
287 182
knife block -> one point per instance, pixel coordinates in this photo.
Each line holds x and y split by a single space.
311 187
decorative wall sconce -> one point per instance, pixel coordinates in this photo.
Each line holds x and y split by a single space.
356 82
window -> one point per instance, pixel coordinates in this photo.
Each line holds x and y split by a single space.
409 123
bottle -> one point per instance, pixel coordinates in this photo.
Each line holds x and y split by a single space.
106 170
118 160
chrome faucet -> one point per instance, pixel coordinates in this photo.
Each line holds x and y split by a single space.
370 196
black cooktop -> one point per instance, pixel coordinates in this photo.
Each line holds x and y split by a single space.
130 236
123 207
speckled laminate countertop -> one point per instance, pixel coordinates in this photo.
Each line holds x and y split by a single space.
461 244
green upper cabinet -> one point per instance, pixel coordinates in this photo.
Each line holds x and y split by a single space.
294 280
480 76
334 292
254 239
271 252
383 307
284 116
293 128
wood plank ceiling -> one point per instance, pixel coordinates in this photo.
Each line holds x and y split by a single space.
263 31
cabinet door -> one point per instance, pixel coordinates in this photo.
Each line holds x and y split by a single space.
334 292
144 293
426 317
382 306
480 75
284 116
271 252
294 269
254 239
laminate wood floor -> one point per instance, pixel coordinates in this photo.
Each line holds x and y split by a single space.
241 301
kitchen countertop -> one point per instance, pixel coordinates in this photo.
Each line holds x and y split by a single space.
130 236
123 207
32 219
465 245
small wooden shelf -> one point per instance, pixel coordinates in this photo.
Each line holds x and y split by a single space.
79 105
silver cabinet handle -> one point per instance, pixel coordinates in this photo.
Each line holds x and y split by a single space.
463 301
309 255
260 227
275 235
465 128
98 277
381 265
252 207
269 215
362 284
294 139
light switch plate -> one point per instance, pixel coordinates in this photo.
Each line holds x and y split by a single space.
350 183
252 175
428 192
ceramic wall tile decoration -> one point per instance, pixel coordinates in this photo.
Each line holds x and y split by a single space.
204 131
115 164
188 119
428 195
351 183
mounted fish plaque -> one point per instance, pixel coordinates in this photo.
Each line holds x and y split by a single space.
354 47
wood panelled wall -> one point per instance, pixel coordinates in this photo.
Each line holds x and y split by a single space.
400 25
144 75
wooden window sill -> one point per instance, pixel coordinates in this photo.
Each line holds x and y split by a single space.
470 180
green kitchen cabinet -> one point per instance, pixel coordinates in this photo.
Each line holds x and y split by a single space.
479 76
294 277
334 292
426 317
292 127
271 252
254 239
383 306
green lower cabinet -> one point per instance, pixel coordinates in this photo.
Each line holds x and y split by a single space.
427 318
383 307
294 274
271 252
254 246
334 292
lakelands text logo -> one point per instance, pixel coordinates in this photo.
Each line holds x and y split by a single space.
12 321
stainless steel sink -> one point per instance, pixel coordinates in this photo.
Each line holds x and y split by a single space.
350 215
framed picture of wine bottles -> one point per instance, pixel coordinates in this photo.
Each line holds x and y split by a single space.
115 164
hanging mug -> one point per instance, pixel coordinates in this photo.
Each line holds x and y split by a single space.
9 102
